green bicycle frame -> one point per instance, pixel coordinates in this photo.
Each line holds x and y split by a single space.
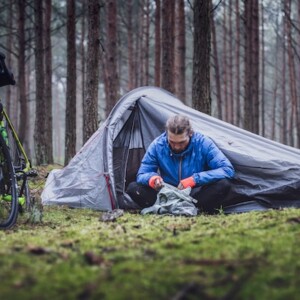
19 144
8 199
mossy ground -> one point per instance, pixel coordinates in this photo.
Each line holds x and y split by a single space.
73 254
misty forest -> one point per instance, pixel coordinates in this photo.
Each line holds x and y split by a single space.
237 60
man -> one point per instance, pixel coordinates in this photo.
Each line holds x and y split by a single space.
183 158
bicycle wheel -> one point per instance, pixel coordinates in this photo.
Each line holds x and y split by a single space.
8 188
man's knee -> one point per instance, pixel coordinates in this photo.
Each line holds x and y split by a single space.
210 197
223 185
132 187
143 195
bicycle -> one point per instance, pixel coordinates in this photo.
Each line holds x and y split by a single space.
15 167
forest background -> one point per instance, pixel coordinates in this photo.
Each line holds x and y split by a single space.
237 60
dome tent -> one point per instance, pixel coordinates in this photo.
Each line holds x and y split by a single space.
267 172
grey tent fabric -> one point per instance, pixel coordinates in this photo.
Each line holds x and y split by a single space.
244 207
267 172
172 201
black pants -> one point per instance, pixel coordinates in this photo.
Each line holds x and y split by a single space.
211 197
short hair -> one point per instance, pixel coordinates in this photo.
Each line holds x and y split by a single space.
179 124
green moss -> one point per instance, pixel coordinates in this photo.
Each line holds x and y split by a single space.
72 254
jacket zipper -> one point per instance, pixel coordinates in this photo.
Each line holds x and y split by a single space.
180 165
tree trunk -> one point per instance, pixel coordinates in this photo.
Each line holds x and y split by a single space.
48 80
201 61
275 86
83 66
23 126
294 122
180 51
130 47
28 82
283 128
147 42
137 49
92 78
216 66
157 43
263 130
237 65
251 113
297 68
141 38
70 134
255 60
231 93
9 41
225 67
39 133
112 78
168 45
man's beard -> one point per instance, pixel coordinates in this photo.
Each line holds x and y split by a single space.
177 151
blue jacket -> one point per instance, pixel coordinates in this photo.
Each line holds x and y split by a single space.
202 159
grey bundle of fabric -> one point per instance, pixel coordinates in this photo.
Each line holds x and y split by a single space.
173 201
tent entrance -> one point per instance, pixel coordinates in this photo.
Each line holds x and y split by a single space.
128 151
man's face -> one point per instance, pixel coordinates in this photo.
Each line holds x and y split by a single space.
178 142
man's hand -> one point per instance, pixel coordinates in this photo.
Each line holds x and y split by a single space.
156 182
187 182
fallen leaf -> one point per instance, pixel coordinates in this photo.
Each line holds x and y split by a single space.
111 216
92 258
37 250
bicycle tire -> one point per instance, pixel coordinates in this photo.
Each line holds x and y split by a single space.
8 188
